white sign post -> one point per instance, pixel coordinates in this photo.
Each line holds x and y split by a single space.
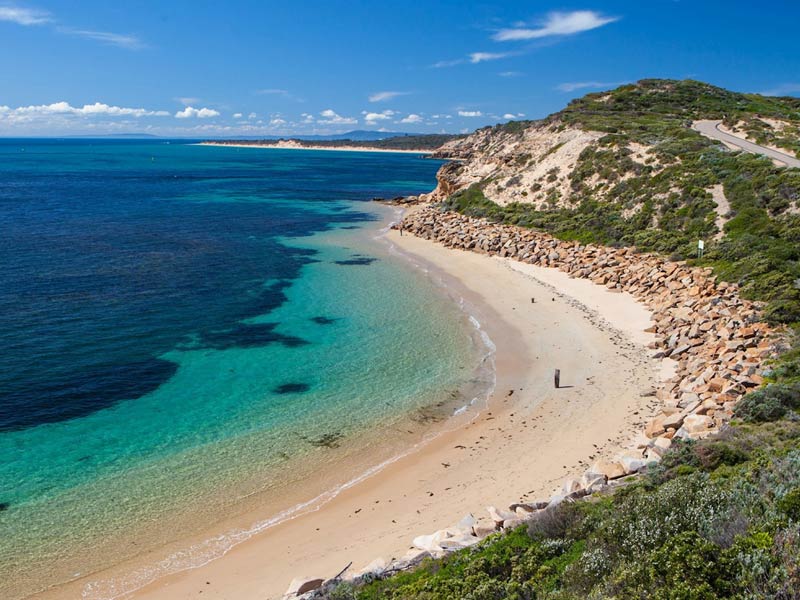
701 246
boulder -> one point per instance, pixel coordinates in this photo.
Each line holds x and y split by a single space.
378 566
610 470
513 523
697 423
498 515
631 463
301 585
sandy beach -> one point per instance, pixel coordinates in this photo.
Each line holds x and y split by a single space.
290 145
530 438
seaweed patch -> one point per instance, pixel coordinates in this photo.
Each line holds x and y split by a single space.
323 320
292 388
357 260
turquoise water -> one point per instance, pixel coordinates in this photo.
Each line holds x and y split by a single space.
197 332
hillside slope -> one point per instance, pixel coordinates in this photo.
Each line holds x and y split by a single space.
625 168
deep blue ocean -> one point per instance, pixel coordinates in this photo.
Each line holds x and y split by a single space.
186 328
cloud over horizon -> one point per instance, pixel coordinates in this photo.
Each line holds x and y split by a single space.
98 108
331 117
201 113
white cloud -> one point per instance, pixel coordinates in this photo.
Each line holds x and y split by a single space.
131 42
557 23
307 118
252 115
24 16
470 113
448 63
583 85
442 116
330 117
412 118
479 57
509 116
31 16
510 74
373 117
384 96
200 113
277 121
237 115
87 110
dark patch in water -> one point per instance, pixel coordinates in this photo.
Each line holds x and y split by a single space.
350 227
357 260
4 506
327 440
252 335
70 394
292 388
322 320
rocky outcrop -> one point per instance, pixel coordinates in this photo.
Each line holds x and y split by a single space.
527 162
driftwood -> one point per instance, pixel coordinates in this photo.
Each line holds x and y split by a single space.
342 572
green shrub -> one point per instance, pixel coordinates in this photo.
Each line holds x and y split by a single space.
790 504
769 403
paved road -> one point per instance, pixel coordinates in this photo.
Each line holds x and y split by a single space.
710 129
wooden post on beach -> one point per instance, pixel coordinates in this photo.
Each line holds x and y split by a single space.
557 378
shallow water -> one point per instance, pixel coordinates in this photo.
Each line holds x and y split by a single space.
188 328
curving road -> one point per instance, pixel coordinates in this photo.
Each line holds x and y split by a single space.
711 129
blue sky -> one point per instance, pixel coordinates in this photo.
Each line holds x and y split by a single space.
205 69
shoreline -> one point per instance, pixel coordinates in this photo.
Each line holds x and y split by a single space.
290 146
120 580
415 491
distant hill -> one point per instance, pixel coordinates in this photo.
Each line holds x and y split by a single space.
118 136
359 135
404 141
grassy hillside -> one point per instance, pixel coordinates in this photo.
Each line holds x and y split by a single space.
663 204
717 518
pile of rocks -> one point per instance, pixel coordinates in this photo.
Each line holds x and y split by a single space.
713 335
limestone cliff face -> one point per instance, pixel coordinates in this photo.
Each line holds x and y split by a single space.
524 162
